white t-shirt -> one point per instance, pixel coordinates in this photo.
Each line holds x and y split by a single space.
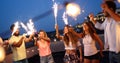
89 46
19 53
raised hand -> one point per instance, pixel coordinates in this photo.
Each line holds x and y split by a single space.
91 16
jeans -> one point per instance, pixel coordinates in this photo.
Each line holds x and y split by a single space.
21 61
114 57
47 59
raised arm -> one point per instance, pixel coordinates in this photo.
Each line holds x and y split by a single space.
30 38
57 32
97 24
111 12
18 44
80 35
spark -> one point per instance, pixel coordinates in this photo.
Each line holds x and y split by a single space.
65 19
55 8
15 27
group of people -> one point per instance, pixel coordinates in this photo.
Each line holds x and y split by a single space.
70 38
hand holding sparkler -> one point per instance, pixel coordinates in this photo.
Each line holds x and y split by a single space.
57 32
56 27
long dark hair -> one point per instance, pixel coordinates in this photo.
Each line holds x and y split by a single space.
90 29
70 36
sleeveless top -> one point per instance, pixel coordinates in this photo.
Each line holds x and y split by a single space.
89 46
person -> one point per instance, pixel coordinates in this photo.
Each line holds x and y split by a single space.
3 48
71 43
4 43
89 36
17 43
111 27
43 43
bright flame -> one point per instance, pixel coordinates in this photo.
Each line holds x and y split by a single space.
65 19
73 10
2 54
55 7
24 26
15 27
30 26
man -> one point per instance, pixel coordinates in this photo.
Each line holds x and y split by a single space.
17 43
111 27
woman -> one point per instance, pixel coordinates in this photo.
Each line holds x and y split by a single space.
90 37
71 43
43 43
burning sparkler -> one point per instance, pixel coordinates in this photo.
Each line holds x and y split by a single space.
55 8
29 27
15 27
65 19
24 26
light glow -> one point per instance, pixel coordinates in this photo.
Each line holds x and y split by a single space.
55 8
65 19
73 10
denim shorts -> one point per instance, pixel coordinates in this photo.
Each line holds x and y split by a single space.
47 59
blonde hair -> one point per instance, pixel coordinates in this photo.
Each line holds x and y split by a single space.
45 34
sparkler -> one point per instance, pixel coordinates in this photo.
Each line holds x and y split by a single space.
24 26
30 26
55 8
65 19
15 27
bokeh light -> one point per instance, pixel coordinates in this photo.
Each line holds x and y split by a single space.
73 9
118 1
2 54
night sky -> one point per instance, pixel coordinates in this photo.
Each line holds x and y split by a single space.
41 11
